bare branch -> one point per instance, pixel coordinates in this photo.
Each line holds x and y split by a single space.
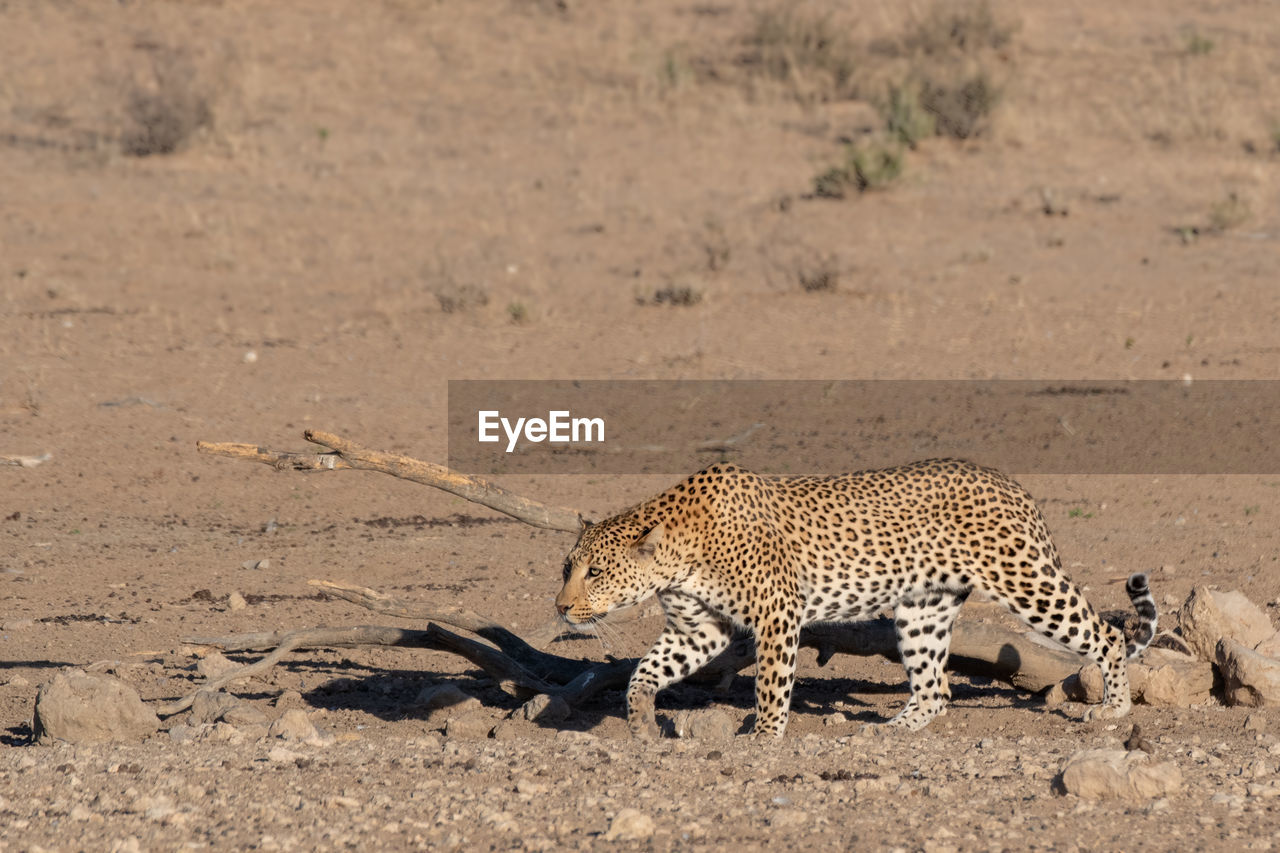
347 454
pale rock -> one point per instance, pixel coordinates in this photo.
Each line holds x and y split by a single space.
1208 616
79 707
446 696
545 709
235 601
512 729
215 665
1248 678
471 725
289 699
530 788
280 755
788 818
1117 774
1269 647
244 714
705 724
1263 791
208 706
295 725
1084 686
1170 678
630 825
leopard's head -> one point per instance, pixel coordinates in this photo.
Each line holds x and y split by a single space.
615 563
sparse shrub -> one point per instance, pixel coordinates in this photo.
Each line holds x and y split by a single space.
961 107
869 165
950 27
454 297
672 294
821 279
715 245
1199 44
161 118
518 312
803 49
675 71
1231 212
905 118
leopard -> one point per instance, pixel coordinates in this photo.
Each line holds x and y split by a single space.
727 550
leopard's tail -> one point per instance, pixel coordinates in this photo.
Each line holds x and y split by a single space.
1145 605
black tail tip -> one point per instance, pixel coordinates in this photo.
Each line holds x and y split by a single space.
1137 584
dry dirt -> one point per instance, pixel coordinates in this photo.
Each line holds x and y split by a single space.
367 199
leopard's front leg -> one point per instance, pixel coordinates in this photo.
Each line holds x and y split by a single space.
777 644
693 635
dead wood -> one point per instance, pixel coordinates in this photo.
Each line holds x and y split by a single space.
521 669
347 454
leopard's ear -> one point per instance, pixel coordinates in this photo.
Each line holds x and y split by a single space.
647 543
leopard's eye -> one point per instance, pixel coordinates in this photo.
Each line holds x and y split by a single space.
594 571
568 567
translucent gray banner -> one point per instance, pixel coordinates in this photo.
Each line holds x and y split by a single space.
827 427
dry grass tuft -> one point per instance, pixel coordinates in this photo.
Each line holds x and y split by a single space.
162 117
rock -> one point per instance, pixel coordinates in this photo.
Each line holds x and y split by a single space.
705 724
182 733
1207 616
471 725
80 707
1270 647
215 664
294 724
514 728
223 732
289 699
244 714
17 624
235 601
1248 678
530 788
630 825
280 755
1166 677
1117 774
1085 686
789 818
545 709
209 706
446 695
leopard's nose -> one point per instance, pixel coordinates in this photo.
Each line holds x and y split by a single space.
563 608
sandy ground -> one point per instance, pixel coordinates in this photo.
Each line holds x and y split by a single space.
375 198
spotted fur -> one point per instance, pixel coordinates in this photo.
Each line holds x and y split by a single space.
727 548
